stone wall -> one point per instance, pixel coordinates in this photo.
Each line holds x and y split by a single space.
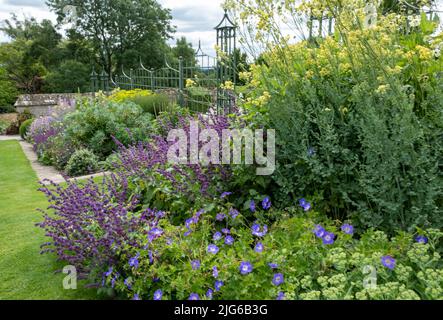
41 104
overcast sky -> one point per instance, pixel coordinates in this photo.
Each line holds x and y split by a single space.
194 19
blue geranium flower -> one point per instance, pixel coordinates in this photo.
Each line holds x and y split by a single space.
158 295
348 229
212 248
388 262
109 272
252 206
328 238
319 231
273 265
281 296
133 262
210 293
422 239
225 194
246 268
218 285
258 231
259 247
266 203
195 264
234 213
220 217
128 284
278 279
194 296
215 272
226 231
229 240
136 297
217 236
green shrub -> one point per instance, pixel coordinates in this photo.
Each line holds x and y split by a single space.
58 151
82 162
24 128
153 104
4 125
96 123
7 109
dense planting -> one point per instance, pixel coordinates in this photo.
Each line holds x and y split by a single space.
353 210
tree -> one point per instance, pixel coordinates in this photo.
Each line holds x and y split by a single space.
184 49
117 26
71 76
8 91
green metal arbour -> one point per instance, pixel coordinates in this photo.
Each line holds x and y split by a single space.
226 64
207 71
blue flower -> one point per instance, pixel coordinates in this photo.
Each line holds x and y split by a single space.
234 213
212 248
304 204
281 296
128 284
229 240
220 217
388 262
215 272
226 231
217 236
133 262
218 285
278 279
194 296
209 293
109 272
252 206
259 247
266 204
158 295
328 238
273 265
225 194
195 264
136 297
319 231
257 230
187 233
154 234
246 268
422 239
348 229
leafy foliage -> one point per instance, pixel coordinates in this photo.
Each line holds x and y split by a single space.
81 163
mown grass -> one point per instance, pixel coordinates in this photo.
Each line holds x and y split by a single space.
24 272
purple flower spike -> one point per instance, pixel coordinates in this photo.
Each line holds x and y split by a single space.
246 268
388 262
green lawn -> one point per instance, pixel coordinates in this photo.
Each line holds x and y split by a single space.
24 273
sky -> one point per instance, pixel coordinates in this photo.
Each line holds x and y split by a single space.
194 19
